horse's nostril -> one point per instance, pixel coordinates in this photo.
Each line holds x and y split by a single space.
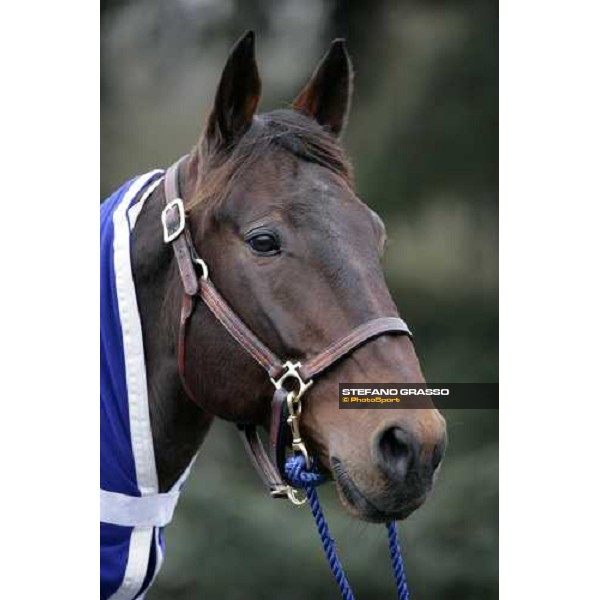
437 454
396 452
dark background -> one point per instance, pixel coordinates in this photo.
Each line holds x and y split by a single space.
423 137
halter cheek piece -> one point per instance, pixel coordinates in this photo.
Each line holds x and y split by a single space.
285 406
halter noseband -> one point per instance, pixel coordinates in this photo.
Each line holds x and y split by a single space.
285 406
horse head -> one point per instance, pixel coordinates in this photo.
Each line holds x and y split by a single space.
274 212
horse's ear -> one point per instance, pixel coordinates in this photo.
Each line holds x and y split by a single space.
237 96
326 97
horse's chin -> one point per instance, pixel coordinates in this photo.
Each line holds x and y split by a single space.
360 507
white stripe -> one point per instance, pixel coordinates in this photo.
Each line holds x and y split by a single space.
159 560
137 391
137 511
159 555
136 209
137 564
135 368
159 552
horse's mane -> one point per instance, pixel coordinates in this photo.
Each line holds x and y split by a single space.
283 129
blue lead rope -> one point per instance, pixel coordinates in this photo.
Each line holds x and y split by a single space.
308 479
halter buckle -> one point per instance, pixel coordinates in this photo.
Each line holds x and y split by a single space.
173 229
291 372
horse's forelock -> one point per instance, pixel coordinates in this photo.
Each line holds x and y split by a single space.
281 129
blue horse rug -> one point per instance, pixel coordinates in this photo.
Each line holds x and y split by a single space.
133 513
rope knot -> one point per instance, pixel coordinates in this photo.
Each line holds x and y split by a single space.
301 477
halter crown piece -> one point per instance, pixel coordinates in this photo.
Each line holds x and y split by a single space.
284 475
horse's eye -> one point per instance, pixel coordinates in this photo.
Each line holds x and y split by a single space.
264 242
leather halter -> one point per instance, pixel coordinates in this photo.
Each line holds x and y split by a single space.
269 467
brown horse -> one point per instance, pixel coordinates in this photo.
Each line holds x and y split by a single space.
272 209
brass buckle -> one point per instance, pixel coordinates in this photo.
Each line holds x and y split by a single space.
291 372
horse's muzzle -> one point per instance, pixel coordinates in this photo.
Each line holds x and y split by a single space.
405 473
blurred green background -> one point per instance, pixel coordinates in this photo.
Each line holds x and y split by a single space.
423 137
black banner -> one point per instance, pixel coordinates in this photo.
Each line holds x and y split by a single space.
418 395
